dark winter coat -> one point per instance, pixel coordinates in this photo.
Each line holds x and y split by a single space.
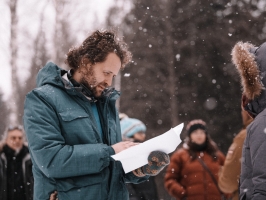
187 179
143 191
16 179
250 61
253 168
67 151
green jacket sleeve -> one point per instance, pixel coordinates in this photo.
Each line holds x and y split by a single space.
51 154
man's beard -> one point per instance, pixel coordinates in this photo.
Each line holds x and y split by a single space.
89 81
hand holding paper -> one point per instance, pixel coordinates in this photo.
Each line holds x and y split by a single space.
137 156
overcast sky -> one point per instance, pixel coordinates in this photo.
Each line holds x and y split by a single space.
87 12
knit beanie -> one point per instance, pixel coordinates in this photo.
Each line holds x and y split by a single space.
122 116
194 125
131 126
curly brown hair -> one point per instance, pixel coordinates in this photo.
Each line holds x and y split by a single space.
96 47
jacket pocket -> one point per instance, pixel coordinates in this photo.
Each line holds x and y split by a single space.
70 115
83 187
67 184
77 128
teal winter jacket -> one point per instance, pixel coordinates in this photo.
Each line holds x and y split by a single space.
67 151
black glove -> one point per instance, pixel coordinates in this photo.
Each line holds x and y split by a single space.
157 160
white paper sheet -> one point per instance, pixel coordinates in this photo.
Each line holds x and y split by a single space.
137 156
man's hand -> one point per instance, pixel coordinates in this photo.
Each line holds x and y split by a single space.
118 147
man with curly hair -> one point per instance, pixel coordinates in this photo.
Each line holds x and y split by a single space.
73 127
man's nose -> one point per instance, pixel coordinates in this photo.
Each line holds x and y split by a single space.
108 82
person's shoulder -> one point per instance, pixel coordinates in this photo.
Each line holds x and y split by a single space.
181 152
46 90
25 152
46 93
241 135
258 125
178 156
220 155
261 117
263 113
26 147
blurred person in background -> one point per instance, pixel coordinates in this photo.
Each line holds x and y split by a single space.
193 169
229 175
250 61
16 179
135 130
73 127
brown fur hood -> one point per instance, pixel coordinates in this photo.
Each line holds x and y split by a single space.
250 61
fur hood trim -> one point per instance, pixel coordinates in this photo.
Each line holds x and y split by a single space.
248 69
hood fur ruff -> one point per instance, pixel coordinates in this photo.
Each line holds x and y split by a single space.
248 69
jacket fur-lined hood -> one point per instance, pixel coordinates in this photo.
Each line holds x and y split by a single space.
250 62
245 62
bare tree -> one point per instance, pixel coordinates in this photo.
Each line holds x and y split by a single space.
63 38
38 60
3 114
114 19
170 57
13 59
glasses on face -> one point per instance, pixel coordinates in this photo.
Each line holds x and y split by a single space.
19 138
16 127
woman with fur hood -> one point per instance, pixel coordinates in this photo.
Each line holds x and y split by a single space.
193 170
250 62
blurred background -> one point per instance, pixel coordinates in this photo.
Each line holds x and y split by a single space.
181 68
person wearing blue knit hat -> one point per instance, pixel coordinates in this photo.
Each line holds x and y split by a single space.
135 130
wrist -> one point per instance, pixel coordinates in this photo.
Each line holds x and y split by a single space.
111 150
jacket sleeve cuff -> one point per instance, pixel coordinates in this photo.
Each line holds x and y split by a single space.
138 172
111 151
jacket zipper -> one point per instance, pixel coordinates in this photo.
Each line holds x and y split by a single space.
107 121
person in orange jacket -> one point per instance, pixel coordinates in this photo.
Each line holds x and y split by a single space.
187 175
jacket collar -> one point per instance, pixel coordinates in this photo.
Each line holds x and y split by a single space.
11 153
